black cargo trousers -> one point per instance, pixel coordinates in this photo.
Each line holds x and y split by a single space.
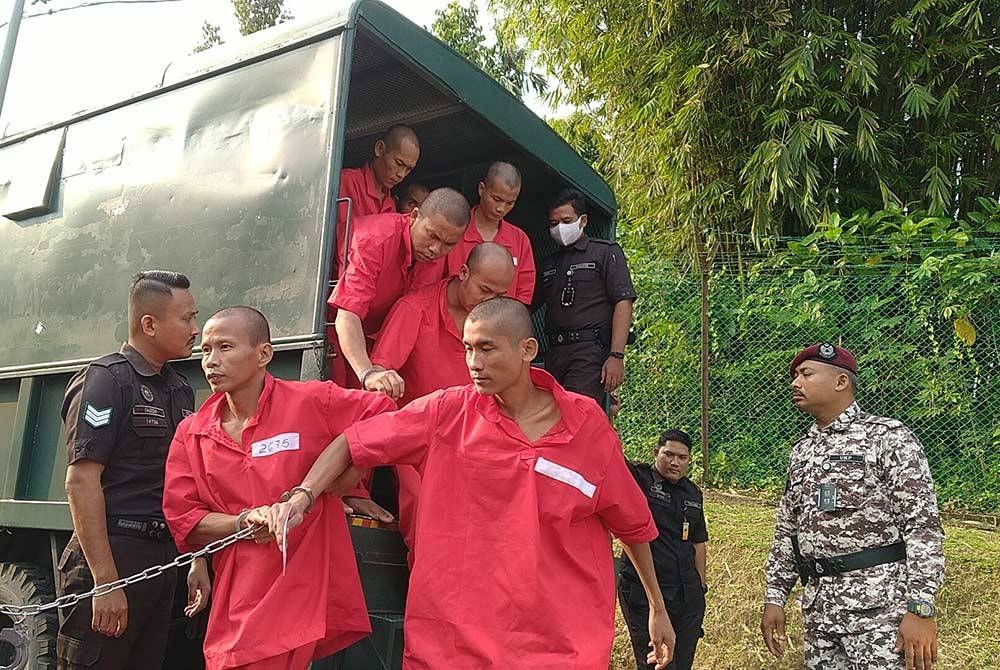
144 643
686 609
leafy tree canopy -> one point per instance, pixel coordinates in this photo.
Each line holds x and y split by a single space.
762 118
457 25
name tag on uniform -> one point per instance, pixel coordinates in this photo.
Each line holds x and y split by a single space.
565 475
272 445
685 531
515 260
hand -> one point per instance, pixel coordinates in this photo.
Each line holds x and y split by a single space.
388 382
258 516
612 373
661 638
366 507
917 639
294 510
199 587
110 614
772 627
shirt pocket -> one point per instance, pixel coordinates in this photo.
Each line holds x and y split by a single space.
148 427
584 273
565 496
847 474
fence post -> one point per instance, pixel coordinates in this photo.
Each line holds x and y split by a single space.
704 365
13 26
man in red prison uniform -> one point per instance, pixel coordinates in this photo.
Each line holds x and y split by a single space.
370 186
522 482
497 194
252 440
394 255
411 196
391 256
420 346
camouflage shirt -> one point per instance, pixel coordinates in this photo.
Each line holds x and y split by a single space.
882 493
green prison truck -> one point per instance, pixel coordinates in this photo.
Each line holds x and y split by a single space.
226 168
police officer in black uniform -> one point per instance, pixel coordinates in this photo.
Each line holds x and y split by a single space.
678 553
119 414
588 294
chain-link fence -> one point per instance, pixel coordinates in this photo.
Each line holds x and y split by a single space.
914 366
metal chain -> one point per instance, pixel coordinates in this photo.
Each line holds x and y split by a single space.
19 612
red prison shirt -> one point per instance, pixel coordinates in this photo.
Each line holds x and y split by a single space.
380 269
514 567
258 613
359 185
421 342
515 241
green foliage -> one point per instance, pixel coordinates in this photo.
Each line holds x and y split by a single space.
915 296
457 25
211 35
761 118
251 15
254 15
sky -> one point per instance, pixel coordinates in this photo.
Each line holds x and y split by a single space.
68 61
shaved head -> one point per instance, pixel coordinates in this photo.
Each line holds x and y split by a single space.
252 322
449 204
397 134
505 316
488 272
487 255
504 173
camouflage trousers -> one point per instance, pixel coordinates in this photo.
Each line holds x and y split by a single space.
870 650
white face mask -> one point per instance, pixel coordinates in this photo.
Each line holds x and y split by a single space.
567 233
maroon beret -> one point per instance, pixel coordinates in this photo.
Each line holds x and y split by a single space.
825 353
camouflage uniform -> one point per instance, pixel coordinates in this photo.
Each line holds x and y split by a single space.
883 494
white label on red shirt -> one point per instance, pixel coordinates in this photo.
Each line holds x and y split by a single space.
515 261
565 475
272 445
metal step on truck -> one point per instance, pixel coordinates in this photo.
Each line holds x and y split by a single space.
226 168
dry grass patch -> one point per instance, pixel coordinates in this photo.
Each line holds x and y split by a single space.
969 603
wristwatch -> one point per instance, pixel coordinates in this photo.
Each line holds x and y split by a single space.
620 355
922 608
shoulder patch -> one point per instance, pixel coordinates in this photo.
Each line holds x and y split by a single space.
97 418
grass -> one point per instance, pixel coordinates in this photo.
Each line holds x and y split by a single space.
968 603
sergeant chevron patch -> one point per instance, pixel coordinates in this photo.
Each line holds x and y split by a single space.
97 418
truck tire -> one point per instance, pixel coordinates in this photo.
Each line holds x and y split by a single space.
29 584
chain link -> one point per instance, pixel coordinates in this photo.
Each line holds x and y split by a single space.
19 612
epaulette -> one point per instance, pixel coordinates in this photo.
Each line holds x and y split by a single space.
110 360
602 241
884 421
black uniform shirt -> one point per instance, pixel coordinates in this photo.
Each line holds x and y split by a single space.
120 412
671 505
598 272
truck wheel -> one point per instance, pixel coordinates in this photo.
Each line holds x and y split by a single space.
28 584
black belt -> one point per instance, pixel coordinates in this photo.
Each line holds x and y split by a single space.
558 337
814 568
144 527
